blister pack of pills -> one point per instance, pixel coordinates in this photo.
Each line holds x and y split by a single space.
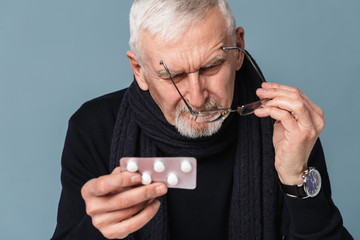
175 172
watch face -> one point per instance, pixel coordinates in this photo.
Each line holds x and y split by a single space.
313 183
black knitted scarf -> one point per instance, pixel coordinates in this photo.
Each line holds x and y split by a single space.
141 130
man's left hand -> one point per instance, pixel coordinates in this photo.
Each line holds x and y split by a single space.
298 125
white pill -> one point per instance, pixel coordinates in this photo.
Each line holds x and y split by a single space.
132 166
159 166
186 166
172 179
146 178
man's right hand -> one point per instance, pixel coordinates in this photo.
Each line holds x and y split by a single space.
119 205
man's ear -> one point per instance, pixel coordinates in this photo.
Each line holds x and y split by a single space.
138 71
240 42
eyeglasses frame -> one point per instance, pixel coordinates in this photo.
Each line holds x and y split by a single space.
224 112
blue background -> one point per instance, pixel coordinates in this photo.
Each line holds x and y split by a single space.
54 55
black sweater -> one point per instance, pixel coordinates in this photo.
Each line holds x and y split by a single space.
86 156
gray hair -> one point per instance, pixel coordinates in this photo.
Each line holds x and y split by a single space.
170 19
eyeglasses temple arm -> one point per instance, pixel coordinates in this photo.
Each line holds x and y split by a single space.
248 57
172 80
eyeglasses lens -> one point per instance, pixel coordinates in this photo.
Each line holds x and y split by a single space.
250 108
211 116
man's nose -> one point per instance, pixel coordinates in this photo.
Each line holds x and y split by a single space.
196 94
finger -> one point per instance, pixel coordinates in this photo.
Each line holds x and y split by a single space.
275 92
110 183
283 116
268 85
300 110
116 170
317 109
295 92
102 220
297 104
132 197
289 101
130 225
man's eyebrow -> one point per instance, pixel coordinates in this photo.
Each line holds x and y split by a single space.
214 61
164 72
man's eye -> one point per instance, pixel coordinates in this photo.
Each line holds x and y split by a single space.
167 78
211 69
176 77
179 76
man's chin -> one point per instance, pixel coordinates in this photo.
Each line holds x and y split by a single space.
188 127
191 123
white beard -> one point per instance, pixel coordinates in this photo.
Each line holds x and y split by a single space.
186 125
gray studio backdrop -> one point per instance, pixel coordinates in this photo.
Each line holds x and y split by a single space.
54 55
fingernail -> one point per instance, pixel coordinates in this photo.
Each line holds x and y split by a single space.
136 178
260 90
156 204
160 189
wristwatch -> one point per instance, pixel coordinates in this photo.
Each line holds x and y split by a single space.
310 187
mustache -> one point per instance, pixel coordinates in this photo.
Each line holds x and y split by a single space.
210 104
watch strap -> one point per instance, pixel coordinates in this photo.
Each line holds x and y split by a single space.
294 190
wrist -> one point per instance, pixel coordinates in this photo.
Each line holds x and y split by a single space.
291 179
309 187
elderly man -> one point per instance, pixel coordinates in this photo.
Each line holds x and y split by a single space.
191 72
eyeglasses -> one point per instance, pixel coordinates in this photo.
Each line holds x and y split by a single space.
208 116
